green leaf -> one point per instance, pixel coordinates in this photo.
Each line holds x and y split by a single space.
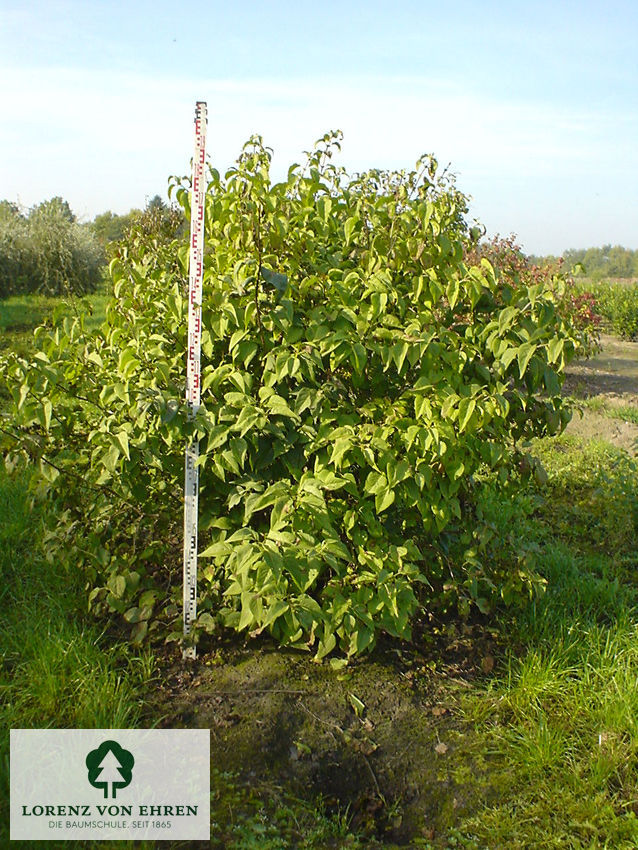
110 458
274 279
397 472
247 419
550 378
127 363
358 357
466 409
399 353
326 645
422 407
452 292
349 227
274 611
118 586
139 632
383 500
361 639
239 448
236 338
339 449
507 356
122 440
207 622
218 434
278 405
447 408
525 352
247 617
261 501
357 705
555 349
216 550
505 319
375 483
47 408
132 615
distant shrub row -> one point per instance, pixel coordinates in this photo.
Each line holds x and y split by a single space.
47 251
618 304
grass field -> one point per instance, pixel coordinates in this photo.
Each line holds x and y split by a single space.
540 735
20 315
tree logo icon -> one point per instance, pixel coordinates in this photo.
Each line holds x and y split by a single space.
111 765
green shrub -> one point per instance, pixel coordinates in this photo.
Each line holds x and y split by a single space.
618 304
356 374
47 252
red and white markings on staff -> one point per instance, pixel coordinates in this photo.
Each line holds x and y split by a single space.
193 383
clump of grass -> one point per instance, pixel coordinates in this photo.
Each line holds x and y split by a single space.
55 671
267 818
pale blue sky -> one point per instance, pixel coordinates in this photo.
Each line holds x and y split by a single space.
534 104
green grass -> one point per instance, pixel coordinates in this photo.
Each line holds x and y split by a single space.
21 314
56 668
560 720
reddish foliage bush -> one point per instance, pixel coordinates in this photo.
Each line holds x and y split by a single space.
511 264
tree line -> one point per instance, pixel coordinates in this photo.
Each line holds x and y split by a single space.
46 250
599 263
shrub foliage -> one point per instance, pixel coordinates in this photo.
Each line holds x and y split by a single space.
577 306
618 304
357 373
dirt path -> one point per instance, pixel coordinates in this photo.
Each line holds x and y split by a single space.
611 379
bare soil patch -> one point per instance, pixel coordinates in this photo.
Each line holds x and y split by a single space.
612 377
382 738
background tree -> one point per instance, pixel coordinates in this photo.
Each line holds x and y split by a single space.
15 257
110 228
47 251
598 263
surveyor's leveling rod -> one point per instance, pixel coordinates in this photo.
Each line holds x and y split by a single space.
193 384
